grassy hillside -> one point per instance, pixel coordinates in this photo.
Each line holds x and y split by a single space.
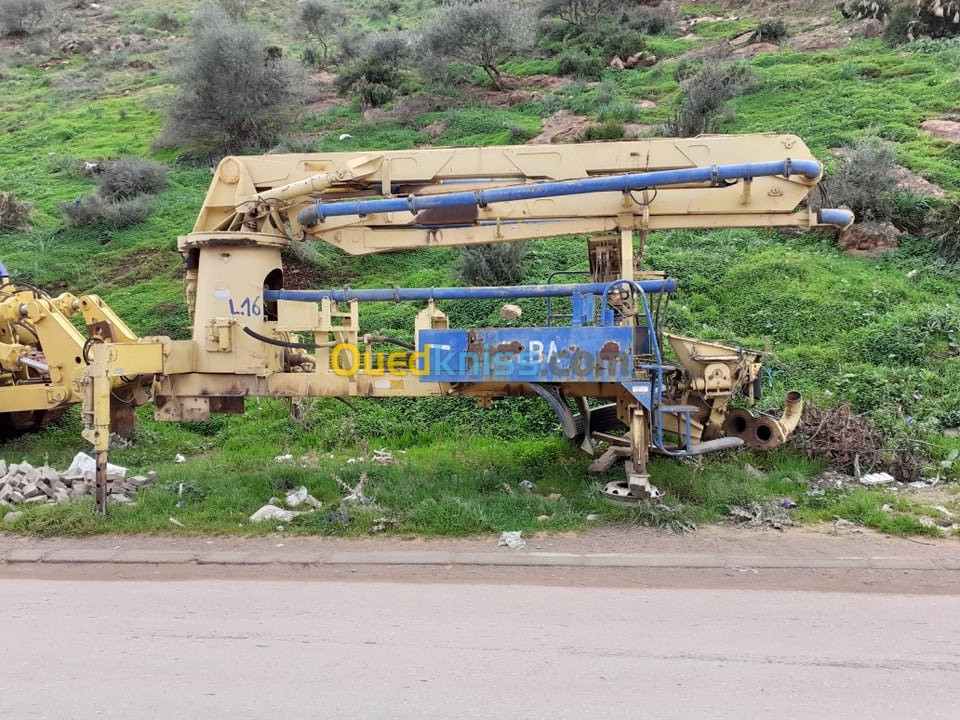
881 334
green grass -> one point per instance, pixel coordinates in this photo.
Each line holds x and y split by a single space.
840 328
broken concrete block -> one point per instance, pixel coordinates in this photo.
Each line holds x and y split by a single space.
152 475
3 467
16 497
49 475
272 512
138 481
61 495
880 478
12 516
31 474
296 498
45 489
6 491
119 498
36 499
30 490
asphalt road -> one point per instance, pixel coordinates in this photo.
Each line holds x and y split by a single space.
342 648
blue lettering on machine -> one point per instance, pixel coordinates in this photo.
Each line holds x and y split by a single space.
534 354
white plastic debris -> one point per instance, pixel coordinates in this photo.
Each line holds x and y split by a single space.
296 498
383 456
175 521
527 485
943 511
919 484
879 478
83 464
512 539
179 458
272 512
344 136
283 458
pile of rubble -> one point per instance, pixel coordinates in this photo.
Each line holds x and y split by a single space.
24 484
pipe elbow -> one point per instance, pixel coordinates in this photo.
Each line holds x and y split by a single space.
838 217
308 217
792 411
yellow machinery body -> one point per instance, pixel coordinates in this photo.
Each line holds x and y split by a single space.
250 337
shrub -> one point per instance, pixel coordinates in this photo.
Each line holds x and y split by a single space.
579 64
233 93
943 225
22 17
612 130
654 20
772 31
705 94
865 179
609 39
479 35
237 9
864 9
14 213
936 19
584 14
321 19
493 264
129 177
897 30
98 212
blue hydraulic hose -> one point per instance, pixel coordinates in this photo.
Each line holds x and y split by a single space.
811 169
459 293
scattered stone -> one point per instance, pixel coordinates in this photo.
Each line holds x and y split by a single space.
918 484
870 239
313 502
944 129
879 478
511 312
561 125
22 483
119 499
543 518
758 514
646 105
928 522
12 516
179 458
283 458
616 63
512 539
887 508
741 40
754 472
556 497
592 516
826 38
942 510
843 524
866 28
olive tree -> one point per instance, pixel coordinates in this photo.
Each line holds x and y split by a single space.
480 35
321 20
234 91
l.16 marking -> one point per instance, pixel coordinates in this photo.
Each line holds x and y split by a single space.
248 306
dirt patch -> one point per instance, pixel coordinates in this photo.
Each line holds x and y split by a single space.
561 126
517 90
944 129
825 38
756 49
632 131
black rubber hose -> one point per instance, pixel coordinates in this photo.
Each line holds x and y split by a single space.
285 343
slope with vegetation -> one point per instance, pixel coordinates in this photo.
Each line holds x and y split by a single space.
88 89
